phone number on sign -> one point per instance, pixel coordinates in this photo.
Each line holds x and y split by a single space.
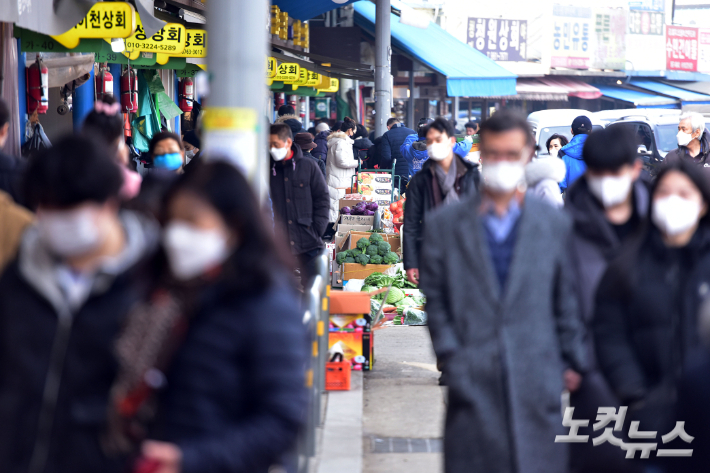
159 47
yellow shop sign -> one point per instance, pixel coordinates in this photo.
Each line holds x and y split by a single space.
195 44
104 20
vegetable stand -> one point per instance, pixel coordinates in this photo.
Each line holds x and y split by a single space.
377 183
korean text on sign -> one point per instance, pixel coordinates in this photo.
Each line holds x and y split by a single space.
168 41
571 37
681 48
104 20
500 40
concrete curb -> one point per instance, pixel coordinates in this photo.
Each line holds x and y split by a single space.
342 431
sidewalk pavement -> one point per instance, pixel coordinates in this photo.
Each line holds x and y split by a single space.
392 419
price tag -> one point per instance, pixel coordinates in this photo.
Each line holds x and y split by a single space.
104 20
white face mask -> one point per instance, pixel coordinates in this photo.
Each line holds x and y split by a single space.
190 154
192 251
69 233
439 151
674 215
610 190
503 176
279 154
553 152
684 139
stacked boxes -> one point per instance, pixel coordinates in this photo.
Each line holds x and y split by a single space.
351 328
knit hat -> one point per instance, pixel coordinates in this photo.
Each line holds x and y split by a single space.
322 127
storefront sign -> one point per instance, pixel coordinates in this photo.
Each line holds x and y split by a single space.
195 44
704 50
104 20
168 41
571 37
609 40
681 48
648 5
287 72
145 59
646 22
270 67
313 79
500 40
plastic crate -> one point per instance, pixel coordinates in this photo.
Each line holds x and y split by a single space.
337 376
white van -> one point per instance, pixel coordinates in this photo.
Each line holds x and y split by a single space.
546 123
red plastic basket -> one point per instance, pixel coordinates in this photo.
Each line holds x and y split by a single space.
337 376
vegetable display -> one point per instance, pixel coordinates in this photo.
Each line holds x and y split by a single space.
372 250
346 210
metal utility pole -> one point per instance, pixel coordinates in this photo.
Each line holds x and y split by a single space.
382 66
234 124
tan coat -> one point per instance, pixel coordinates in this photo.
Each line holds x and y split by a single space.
14 219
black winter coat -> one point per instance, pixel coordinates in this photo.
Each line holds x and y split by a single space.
301 200
321 151
50 351
420 201
236 393
391 142
319 162
645 322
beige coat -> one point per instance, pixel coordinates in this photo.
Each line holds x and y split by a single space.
14 219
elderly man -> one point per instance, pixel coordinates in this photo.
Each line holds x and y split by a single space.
502 314
693 141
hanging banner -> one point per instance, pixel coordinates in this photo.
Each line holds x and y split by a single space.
571 37
195 44
646 22
609 40
500 40
681 48
104 20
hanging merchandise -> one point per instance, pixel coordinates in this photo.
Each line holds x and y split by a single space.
186 93
37 79
129 91
103 82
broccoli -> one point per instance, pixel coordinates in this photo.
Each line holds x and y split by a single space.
362 259
371 250
383 248
375 238
340 257
376 259
349 259
354 252
363 243
390 258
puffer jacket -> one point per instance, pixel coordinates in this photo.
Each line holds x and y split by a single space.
293 122
414 151
391 151
682 153
542 177
339 169
571 154
321 150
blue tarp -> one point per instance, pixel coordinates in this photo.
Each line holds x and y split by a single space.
639 99
685 96
307 9
468 72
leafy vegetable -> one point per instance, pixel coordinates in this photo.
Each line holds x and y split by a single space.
375 259
383 248
363 243
390 258
363 259
340 257
349 259
378 280
395 295
408 301
368 289
371 250
354 252
375 238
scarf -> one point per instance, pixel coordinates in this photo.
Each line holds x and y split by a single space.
447 182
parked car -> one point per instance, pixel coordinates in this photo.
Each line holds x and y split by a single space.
546 123
610 116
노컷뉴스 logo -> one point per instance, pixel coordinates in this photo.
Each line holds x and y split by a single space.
604 417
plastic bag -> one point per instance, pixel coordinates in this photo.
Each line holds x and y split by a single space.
37 142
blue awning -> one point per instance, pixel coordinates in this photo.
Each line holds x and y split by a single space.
468 72
685 96
638 98
307 9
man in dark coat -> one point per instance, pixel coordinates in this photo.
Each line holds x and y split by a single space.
609 207
77 274
305 141
502 314
693 141
391 142
300 197
424 194
11 168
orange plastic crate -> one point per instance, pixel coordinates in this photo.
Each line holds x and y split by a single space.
337 376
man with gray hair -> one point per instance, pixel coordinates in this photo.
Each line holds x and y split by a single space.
693 141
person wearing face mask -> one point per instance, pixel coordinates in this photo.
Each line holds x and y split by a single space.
299 196
192 144
222 332
645 321
445 178
571 153
693 141
609 207
544 173
167 152
555 143
502 314
78 272
341 164
414 148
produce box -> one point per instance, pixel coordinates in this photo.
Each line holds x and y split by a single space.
348 202
350 323
394 240
342 233
358 271
357 348
368 220
349 303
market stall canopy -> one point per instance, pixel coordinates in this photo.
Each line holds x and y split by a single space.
54 17
575 88
468 72
685 96
636 97
532 89
307 9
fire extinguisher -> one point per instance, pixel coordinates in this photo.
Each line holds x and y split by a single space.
37 79
187 94
103 82
129 91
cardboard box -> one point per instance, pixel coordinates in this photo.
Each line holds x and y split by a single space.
358 347
350 202
394 240
368 220
358 271
349 303
350 323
